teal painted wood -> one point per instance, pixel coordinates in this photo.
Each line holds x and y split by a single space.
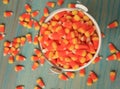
104 11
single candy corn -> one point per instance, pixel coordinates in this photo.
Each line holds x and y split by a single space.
35 13
8 13
113 75
37 87
89 81
2 36
34 58
22 16
82 72
27 17
20 87
22 41
38 52
42 19
6 51
16 52
2 28
35 40
29 37
111 57
112 48
118 55
28 8
97 59
60 2
113 24
5 1
20 58
35 65
50 4
11 59
71 5
70 74
42 60
7 44
94 76
40 82
46 12
30 24
19 68
23 23
62 77
36 25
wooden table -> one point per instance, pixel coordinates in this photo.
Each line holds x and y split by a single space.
104 11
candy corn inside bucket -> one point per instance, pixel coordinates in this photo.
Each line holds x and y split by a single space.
70 39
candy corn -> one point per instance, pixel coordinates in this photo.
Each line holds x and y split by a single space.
113 24
112 48
23 23
20 58
40 82
35 65
2 28
22 41
93 76
19 68
71 5
2 36
6 51
30 24
50 4
60 2
35 40
113 75
37 87
34 13
97 59
42 19
82 72
29 37
42 60
34 58
22 16
5 1
89 81
8 13
11 59
36 25
111 57
62 77
70 74
118 56
7 44
46 12
20 87
28 8
38 52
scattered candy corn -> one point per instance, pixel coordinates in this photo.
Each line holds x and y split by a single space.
112 48
50 4
35 65
42 60
40 82
38 52
29 37
71 5
60 2
5 1
36 25
94 76
46 12
42 19
111 57
70 74
37 87
97 59
34 58
2 28
28 8
34 13
8 13
11 59
89 81
82 72
118 56
113 24
62 77
20 58
113 75
19 68
20 87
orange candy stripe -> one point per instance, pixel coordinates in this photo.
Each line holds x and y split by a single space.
112 48
8 13
2 28
40 82
113 75
113 24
